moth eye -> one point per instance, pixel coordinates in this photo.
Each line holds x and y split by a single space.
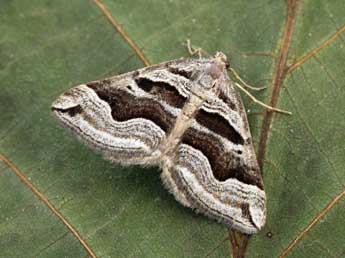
227 65
239 152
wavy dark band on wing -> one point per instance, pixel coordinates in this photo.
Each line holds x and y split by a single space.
125 106
224 165
163 91
218 125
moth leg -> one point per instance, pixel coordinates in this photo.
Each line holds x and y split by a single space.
199 51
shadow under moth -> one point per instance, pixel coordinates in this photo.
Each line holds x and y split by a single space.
186 117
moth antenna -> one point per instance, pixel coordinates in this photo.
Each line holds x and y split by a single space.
237 76
255 100
199 51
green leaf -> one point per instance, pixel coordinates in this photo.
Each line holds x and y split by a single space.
98 208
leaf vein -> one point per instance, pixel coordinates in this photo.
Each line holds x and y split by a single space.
279 75
313 52
121 31
312 224
26 181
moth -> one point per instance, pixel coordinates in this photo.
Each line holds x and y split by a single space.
186 117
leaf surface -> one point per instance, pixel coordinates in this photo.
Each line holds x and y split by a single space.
60 199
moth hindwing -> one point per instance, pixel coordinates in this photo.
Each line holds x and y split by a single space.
185 116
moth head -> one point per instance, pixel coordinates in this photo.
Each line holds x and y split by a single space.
217 68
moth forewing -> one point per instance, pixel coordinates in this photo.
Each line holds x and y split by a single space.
185 116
